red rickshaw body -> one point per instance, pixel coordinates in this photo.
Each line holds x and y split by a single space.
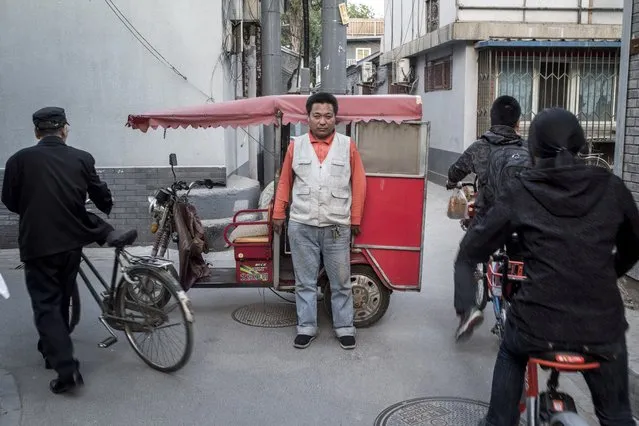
393 142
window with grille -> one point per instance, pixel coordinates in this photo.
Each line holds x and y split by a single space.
583 81
432 15
438 75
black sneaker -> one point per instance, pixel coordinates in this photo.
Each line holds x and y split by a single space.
62 385
347 342
303 341
467 324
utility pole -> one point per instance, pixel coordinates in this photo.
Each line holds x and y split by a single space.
254 133
271 74
333 56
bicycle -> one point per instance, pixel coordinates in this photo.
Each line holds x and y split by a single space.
140 302
489 276
552 407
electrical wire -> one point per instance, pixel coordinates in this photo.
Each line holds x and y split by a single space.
148 46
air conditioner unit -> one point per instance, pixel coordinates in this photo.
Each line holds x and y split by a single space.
402 71
245 10
367 72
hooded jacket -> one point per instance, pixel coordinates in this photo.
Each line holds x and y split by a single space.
578 228
475 158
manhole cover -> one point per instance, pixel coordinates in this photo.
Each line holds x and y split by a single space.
433 412
267 315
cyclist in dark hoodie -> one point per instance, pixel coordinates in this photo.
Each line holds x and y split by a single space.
570 218
499 142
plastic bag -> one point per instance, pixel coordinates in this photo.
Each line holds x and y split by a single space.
458 205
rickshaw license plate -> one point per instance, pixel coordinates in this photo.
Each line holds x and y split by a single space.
252 271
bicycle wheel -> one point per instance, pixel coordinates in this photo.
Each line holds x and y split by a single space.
481 290
74 309
146 322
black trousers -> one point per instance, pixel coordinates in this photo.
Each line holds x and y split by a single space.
464 278
50 282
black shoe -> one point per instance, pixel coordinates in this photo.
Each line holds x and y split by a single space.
467 323
347 342
47 364
303 341
61 385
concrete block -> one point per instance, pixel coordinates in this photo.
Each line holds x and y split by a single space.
240 193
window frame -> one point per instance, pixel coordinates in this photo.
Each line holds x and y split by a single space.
358 49
446 77
574 86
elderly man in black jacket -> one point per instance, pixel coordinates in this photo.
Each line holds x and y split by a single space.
570 218
47 185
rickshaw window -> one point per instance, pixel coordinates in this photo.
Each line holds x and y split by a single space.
391 148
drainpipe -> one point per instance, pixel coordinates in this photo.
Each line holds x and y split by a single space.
271 74
620 139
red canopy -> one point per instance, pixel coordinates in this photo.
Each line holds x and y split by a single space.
263 110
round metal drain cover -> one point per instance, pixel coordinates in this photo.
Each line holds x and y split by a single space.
433 411
267 315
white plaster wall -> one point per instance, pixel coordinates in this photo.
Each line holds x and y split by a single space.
79 56
530 15
450 111
447 12
405 19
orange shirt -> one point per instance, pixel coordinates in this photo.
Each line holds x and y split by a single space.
321 147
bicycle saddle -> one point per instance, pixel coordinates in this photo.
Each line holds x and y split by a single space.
120 239
566 360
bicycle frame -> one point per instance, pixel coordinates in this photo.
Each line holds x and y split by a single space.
560 403
110 289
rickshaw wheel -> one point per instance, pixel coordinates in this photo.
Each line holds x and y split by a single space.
370 297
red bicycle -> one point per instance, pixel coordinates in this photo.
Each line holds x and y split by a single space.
552 407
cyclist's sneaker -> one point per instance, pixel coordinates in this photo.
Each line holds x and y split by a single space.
303 341
467 324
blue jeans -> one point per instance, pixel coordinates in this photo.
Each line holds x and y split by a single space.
608 385
310 244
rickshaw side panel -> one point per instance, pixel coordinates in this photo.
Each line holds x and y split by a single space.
393 212
398 269
391 235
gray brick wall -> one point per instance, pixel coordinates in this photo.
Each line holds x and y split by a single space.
130 188
631 146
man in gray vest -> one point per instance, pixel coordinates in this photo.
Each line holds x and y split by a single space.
323 179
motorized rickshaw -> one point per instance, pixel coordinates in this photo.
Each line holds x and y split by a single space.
393 142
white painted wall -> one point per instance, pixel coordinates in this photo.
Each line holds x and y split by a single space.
532 15
452 113
404 20
79 56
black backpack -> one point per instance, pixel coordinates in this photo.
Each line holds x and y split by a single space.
504 163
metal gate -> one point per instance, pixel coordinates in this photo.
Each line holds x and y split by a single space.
581 80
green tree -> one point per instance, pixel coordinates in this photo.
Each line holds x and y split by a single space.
357 10
293 27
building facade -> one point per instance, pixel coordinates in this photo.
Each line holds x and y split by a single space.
459 58
102 61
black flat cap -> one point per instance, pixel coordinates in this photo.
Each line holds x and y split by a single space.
50 118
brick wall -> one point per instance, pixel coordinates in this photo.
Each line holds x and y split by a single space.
631 146
130 188
631 143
